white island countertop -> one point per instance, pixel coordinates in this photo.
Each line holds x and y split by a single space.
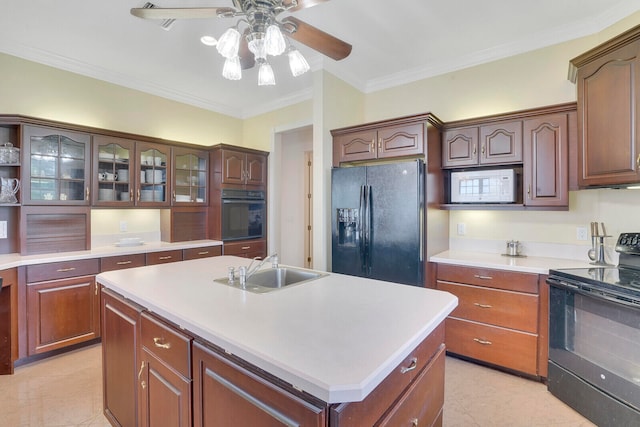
527 264
336 337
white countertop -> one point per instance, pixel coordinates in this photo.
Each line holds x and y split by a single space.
17 260
336 337
528 264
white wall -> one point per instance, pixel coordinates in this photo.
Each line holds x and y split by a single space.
293 195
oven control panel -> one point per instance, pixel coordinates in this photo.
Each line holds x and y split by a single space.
628 243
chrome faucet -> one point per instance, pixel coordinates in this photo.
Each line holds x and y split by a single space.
274 264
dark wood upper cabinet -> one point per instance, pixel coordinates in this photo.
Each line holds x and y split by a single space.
608 79
57 166
235 167
490 144
190 177
114 172
154 161
546 167
403 137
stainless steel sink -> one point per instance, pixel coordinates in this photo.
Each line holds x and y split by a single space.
271 279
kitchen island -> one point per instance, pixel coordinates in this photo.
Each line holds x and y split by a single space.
340 347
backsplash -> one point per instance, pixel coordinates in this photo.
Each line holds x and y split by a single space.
106 225
550 233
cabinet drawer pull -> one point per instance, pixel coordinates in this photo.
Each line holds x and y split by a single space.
96 288
477 304
479 276
414 422
638 161
64 270
413 365
483 342
380 144
165 257
203 253
123 262
244 248
159 342
372 146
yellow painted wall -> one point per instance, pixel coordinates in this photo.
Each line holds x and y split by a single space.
36 90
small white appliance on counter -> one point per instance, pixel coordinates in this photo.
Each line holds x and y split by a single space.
483 186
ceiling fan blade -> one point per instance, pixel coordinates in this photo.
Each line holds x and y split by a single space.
303 4
316 39
181 13
247 59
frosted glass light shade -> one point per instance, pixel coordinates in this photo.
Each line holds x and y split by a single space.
265 75
229 43
274 41
297 63
257 46
232 69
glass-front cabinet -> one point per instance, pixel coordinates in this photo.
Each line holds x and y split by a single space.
189 176
56 166
155 175
113 171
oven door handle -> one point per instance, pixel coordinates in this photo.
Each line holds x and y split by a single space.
596 293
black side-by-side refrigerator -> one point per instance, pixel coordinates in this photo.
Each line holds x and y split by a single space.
377 221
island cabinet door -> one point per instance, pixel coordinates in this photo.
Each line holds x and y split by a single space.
225 394
165 396
120 342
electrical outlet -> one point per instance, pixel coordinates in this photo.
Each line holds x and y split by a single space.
462 229
3 229
123 226
581 233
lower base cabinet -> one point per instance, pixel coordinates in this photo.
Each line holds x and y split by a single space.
156 375
62 305
225 394
499 318
164 379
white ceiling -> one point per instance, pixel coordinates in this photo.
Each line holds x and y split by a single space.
393 43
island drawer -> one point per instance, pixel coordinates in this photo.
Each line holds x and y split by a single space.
422 403
168 344
491 278
62 270
369 411
509 309
164 257
120 262
207 251
492 344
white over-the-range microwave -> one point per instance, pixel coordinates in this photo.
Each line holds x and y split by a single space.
483 186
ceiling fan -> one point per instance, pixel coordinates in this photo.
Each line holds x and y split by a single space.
263 35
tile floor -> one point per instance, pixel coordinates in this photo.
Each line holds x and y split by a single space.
66 390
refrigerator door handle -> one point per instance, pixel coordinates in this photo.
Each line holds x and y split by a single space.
367 229
361 229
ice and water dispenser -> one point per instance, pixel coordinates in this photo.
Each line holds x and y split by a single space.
347 226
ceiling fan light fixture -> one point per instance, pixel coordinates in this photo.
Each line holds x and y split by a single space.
274 40
209 40
297 63
229 43
232 69
265 75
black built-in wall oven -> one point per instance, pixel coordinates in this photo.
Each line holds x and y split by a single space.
594 337
243 214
